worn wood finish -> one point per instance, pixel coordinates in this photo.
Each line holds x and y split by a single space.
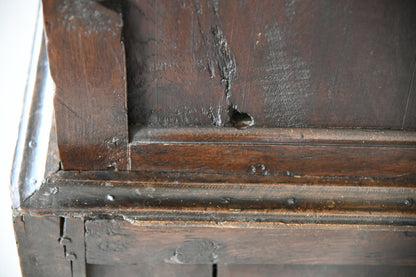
146 270
87 63
315 270
274 136
292 152
275 160
40 253
329 200
274 244
172 197
72 240
131 178
286 63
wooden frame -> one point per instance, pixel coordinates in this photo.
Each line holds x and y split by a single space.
215 197
92 126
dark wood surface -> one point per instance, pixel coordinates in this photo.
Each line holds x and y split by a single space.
87 62
410 115
315 270
275 152
286 63
274 136
262 244
168 270
206 198
73 243
146 270
305 160
40 252
303 64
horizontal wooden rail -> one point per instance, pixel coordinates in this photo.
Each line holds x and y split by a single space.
130 243
275 152
272 135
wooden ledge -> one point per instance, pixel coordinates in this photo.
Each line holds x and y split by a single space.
332 136
194 198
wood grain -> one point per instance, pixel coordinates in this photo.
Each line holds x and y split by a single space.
275 152
74 245
193 198
87 62
145 270
278 244
40 253
274 136
287 63
275 160
314 270
409 114
331 200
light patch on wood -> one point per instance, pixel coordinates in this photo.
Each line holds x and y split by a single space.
95 17
198 251
286 82
290 10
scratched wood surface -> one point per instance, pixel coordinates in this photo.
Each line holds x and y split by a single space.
275 159
275 152
86 57
40 253
131 243
185 197
286 63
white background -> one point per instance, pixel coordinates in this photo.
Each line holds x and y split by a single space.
17 26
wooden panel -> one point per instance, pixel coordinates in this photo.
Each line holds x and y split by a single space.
314 270
109 242
276 152
286 63
87 63
146 270
40 253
